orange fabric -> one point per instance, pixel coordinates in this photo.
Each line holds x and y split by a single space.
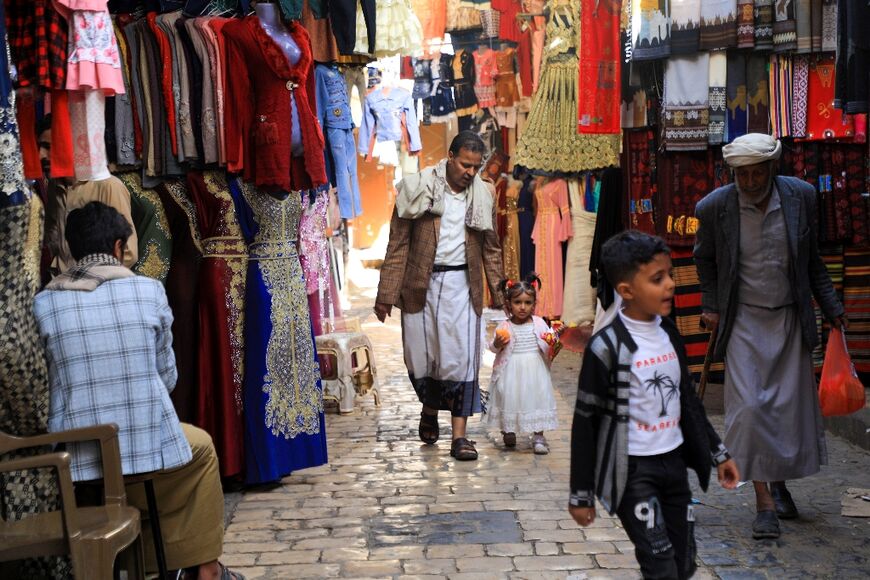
62 164
27 133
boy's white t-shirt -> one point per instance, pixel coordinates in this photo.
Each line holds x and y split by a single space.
654 394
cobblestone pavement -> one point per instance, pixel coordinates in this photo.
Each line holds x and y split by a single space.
388 506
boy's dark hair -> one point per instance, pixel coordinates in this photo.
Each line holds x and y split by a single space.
513 288
469 141
624 254
94 229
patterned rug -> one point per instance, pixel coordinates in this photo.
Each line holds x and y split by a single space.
687 314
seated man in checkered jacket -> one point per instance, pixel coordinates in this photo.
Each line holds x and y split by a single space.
108 343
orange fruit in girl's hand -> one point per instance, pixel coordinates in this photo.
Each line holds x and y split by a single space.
503 333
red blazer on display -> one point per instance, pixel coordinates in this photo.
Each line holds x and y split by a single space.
257 116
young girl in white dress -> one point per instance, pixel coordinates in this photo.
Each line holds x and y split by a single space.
521 392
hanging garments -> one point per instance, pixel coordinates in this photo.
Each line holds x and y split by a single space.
283 398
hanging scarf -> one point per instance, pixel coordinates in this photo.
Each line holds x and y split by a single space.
419 193
735 125
89 273
763 24
685 26
650 29
782 97
718 97
800 89
718 24
804 26
758 94
745 24
784 26
598 99
686 108
829 25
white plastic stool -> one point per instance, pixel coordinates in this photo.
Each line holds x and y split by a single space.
344 379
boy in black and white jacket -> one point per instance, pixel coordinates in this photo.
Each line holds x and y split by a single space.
638 423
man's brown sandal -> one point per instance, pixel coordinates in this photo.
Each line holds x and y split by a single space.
428 429
463 449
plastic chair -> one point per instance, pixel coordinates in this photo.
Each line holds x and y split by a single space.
91 536
348 369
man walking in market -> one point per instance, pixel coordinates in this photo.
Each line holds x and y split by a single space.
758 262
442 241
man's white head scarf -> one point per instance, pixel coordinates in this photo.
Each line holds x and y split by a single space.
751 149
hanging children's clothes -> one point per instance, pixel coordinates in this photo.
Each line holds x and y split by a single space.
486 71
522 398
283 398
506 91
399 30
463 83
389 115
552 227
422 78
333 111
443 105
316 264
93 61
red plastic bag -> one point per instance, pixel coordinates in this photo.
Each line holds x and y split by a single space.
840 391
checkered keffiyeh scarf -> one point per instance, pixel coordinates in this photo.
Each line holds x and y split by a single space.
89 272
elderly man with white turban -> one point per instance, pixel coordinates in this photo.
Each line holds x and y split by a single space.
759 267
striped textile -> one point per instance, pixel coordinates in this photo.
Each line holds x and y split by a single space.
781 96
856 292
687 315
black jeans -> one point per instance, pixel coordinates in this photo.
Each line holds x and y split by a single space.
657 514
342 17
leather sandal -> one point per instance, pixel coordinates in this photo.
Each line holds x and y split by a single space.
785 508
428 429
765 526
463 449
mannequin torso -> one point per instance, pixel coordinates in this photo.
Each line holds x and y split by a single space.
270 21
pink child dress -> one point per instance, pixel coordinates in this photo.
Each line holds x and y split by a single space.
94 61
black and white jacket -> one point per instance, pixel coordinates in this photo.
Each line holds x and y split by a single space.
599 437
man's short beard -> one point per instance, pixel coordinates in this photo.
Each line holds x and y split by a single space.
759 197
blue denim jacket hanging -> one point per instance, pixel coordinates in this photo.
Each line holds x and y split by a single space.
333 112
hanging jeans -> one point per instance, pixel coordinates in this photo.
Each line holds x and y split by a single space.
342 17
341 155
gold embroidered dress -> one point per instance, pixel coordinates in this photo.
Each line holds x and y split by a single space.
282 395
550 142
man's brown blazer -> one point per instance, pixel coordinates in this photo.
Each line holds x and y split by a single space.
407 266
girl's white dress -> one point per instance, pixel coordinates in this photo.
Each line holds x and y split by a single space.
522 398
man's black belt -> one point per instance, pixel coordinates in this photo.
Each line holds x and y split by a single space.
443 268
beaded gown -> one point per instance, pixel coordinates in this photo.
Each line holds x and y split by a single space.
221 318
550 143
282 394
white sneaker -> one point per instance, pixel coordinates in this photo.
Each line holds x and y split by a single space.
539 443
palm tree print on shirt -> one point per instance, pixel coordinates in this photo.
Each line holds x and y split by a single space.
665 387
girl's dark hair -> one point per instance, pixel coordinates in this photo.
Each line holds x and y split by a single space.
528 285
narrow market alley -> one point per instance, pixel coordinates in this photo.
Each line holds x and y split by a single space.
388 506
